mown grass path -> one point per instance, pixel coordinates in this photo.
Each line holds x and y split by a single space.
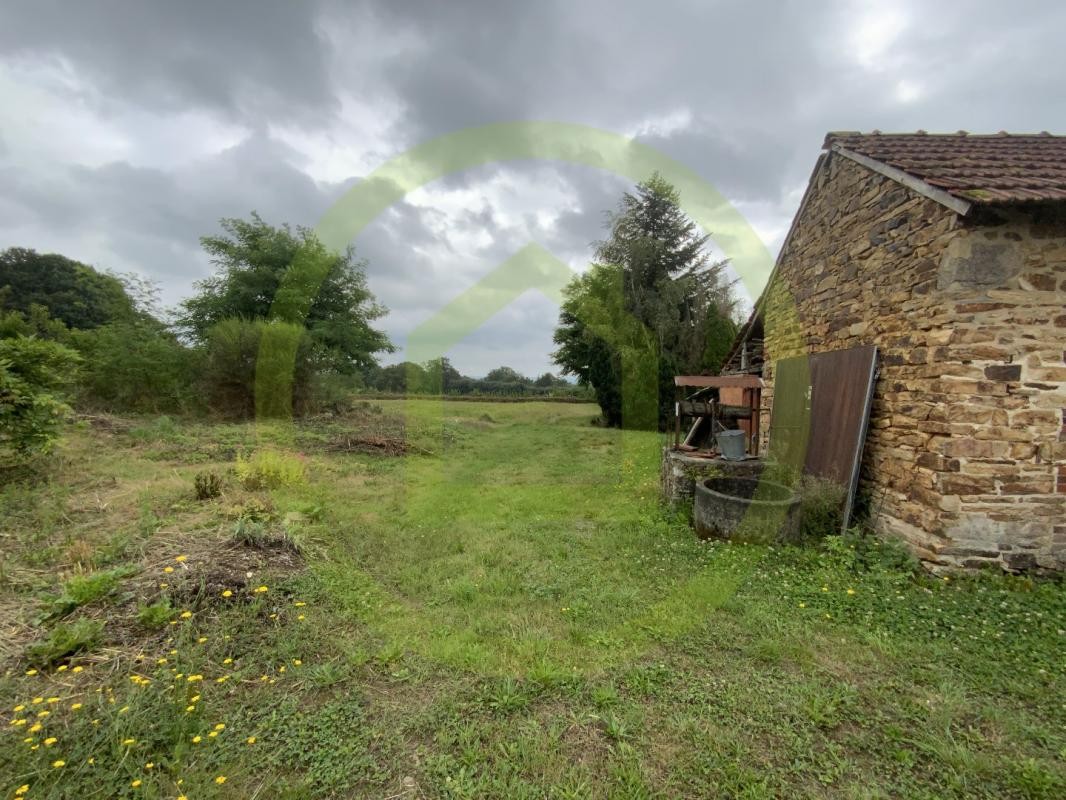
504 612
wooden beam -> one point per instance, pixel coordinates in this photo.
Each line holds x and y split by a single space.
718 381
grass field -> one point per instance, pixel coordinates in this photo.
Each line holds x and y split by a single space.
484 600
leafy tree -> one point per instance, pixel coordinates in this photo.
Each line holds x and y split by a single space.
73 293
326 292
505 375
33 375
136 365
406 376
653 298
440 376
241 379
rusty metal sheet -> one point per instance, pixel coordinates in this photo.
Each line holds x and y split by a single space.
821 412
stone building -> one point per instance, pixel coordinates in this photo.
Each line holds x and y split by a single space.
947 252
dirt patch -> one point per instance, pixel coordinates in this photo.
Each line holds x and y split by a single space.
372 444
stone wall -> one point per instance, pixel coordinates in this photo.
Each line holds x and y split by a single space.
966 454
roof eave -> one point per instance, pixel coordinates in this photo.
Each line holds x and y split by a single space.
956 204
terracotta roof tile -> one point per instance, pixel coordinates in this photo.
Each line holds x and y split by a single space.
991 169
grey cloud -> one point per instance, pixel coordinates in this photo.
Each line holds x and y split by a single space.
740 93
243 58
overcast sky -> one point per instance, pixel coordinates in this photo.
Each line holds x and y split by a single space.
127 129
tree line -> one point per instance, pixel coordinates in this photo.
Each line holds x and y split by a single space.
440 377
652 304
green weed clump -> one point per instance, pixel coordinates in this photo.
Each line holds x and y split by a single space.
66 639
155 615
84 589
270 469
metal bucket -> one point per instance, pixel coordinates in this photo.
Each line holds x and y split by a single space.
731 445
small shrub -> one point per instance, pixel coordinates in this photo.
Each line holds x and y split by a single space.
33 375
270 469
155 615
66 639
208 485
253 510
821 508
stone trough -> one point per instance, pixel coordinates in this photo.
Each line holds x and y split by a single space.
745 509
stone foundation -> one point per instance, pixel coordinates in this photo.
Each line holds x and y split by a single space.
681 470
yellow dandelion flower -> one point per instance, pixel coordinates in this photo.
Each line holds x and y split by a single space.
35 747
182 797
250 740
28 740
90 761
299 604
202 639
273 616
301 617
212 734
227 593
168 570
19 722
36 701
261 589
186 614
149 765
22 790
297 662
123 710
221 779
128 742
53 700
77 669
31 672
221 726
19 707
825 588
180 559
803 605
193 678
164 585
851 591
160 661
189 709
135 783
59 763
224 661
172 653
197 739
194 699
281 669
35 727
62 668
43 713
51 740
75 706
223 679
